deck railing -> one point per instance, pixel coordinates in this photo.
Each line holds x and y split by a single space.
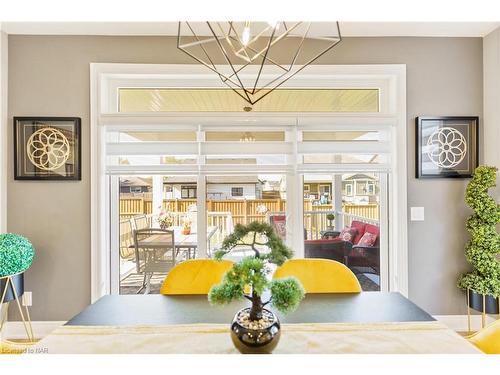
224 214
243 211
315 222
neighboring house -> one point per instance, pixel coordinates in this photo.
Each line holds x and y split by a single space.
359 188
135 185
218 188
314 190
271 189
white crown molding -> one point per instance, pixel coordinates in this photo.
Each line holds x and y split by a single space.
348 29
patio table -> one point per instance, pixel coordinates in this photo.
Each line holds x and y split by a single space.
160 242
370 322
181 240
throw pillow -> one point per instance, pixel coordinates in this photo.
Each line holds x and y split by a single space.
348 234
368 239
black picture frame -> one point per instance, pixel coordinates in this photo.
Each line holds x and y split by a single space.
426 165
67 171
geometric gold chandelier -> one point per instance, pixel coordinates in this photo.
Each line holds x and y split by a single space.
255 58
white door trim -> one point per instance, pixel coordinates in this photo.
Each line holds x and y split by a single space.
391 80
3 128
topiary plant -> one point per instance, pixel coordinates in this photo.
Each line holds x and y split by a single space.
484 245
252 272
16 254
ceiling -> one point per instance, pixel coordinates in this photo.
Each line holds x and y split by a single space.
349 29
225 100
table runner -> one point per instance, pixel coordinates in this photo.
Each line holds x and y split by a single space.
323 338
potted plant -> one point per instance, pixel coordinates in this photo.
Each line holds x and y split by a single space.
186 226
330 218
256 329
165 219
483 283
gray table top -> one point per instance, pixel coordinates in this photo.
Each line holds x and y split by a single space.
367 307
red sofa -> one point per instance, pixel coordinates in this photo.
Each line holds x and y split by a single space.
363 256
325 249
350 253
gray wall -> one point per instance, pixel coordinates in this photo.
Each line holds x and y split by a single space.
49 75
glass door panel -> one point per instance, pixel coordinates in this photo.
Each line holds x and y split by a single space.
242 199
152 203
342 214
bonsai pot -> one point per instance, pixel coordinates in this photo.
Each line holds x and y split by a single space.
255 341
476 302
18 281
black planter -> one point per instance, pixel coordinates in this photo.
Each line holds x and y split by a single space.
476 302
255 341
18 281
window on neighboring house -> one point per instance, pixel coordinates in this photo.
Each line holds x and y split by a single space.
348 189
188 192
168 188
325 189
307 190
136 189
236 191
371 188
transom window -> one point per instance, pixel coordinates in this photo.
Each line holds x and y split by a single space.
224 100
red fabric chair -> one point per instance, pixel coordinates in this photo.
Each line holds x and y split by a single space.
360 228
361 255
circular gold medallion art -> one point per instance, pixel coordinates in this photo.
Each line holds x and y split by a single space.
48 149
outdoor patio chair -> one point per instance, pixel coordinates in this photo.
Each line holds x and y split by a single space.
126 239
141 222
155 251
320 275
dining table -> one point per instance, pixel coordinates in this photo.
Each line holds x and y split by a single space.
367 322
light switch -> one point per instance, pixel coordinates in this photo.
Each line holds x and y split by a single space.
417 214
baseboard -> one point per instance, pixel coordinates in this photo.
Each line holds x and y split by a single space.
459 322
15 330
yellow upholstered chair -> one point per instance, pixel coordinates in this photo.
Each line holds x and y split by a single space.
320 275
195 276
488 339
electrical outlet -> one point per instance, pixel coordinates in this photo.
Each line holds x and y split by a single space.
27 299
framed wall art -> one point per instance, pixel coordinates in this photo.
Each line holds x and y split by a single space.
446 146
47 148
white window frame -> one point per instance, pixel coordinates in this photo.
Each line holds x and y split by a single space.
106 79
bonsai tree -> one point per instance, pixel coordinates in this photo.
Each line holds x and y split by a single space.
248 278
484 244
